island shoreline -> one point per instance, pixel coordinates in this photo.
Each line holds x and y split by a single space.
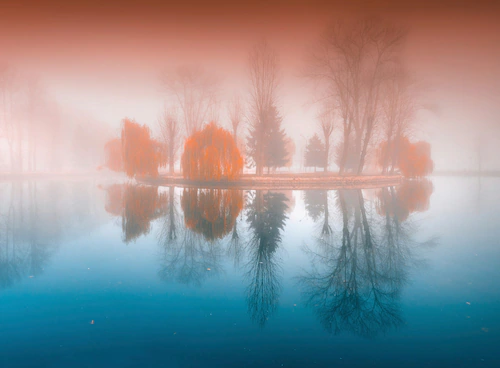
284 182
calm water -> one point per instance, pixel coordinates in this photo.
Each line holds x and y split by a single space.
96 274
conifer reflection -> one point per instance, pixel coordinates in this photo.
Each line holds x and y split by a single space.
357 276
316 203
266 216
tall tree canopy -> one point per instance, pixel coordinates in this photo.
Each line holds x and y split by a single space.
141 154
113 155
211 154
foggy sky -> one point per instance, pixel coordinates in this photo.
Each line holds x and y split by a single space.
105 59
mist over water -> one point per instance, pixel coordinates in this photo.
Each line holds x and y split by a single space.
217 277
239 184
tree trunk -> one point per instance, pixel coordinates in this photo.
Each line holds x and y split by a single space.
171 161
327 153
345 151
365 147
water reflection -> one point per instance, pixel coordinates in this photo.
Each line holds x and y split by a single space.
23 248
34 219
316 203
363 251
138 205
209 215
211 212
357 276
266 217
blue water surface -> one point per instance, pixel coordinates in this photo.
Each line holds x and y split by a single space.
101 274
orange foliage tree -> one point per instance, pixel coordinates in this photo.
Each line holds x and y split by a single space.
413 159
211 154
410 196
142 155
113 154
211 212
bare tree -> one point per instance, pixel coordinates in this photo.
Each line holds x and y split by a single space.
263 70
236 113
350 60
194 90
12 129
326 125
34 99
398 110
170 132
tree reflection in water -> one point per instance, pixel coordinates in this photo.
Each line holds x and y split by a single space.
209 215
138 205
142 204
34 218
316 203
357 277
266 216
211 212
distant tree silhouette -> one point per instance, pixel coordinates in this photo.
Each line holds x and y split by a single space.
290 152
113 155
398 112
170 133
236 112
194 90
315 154
326 125
267 141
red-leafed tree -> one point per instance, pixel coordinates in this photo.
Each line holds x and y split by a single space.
416 160
142 155
211 154
412 159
